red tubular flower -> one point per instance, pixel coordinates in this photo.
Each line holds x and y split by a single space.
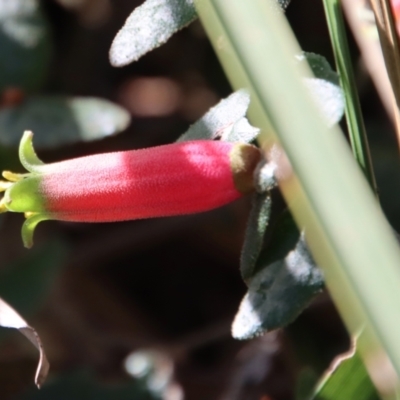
174 179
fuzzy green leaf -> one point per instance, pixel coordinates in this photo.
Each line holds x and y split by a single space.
324 87
24 45
255 231
226 120
58 120
320 67
241 131
278 293
329 98
148 27
284 239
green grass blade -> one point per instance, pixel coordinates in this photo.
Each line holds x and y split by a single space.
347 378
328 194
354 118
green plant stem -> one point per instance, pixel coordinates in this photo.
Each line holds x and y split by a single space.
354 118
328 194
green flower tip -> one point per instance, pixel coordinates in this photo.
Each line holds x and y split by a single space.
28 228
27 154
21 190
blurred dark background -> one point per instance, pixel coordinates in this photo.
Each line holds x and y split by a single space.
142 309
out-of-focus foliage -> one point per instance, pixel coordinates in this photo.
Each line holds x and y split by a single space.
83 386
26 55
26 282
25 45
61 120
